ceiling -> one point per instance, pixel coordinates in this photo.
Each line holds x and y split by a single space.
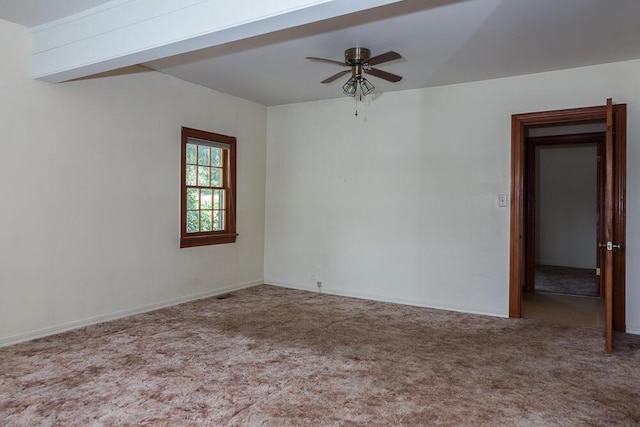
441 41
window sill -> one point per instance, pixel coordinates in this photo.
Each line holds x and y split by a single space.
214 239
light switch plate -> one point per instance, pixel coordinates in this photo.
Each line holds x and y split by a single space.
502 200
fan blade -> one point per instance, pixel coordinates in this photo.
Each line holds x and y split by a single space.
335 76
384 75
330 61
384 57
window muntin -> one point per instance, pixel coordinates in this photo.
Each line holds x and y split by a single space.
208 188
206 170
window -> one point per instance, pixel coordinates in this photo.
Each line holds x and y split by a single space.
208 188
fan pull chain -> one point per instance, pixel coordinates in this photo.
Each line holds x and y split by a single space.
356 99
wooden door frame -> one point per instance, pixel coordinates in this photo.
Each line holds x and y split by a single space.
594 139
519 125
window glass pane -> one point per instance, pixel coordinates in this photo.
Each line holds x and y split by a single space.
205 221
218 201
192 199
216 177
217 220
203 155
190 175
216 157
207 199
192 221
203 176
191 153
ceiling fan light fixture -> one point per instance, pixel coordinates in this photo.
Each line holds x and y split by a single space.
360 62
366 87
350 87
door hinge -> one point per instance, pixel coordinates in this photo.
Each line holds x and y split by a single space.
598 271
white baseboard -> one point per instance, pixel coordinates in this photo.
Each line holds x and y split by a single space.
633 330
373 297
40 333
630 329
52 330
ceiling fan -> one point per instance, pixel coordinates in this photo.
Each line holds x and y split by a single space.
359 61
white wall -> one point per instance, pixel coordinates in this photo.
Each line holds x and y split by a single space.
90 185
567 202
400 203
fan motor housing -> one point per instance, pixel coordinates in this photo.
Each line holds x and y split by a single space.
356 55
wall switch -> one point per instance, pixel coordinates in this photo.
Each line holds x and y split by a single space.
502 200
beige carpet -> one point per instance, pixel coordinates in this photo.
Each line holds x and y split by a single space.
276 357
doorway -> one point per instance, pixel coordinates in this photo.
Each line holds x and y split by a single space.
564 202
564 188
611 249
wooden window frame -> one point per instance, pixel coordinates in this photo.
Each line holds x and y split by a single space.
228 233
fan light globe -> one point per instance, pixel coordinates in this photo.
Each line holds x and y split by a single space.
366 87
350 87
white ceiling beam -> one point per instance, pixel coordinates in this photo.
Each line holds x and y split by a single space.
127 32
